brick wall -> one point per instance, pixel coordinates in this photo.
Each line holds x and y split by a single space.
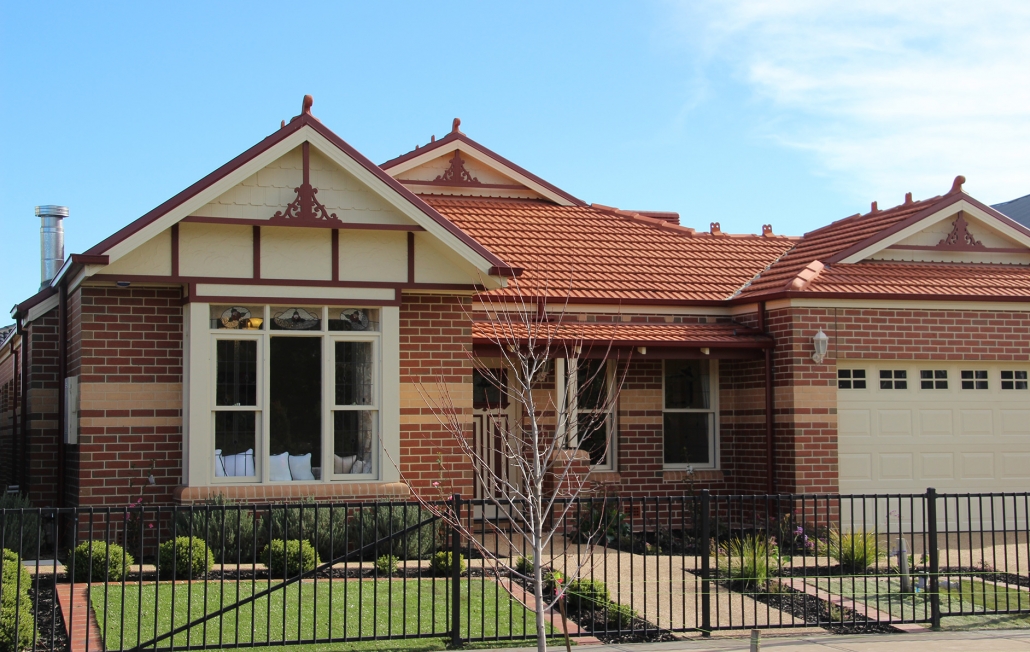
436 380
42 336
9 395
126 344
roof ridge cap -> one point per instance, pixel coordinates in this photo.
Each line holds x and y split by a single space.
758 275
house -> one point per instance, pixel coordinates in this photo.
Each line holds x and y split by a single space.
271 332
1017 209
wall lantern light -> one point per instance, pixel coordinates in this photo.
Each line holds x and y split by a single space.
820 341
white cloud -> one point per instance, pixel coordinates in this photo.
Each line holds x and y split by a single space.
888 96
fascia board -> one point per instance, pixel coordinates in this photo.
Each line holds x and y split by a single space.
410 211
933 218
41 308
481 157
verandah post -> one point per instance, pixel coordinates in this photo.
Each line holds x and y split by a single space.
456 573
706 552
935 566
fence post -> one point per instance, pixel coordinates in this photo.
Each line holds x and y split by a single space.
935 564
456 573
706 553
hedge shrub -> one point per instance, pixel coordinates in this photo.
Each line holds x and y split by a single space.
440 564
227 527
17 625
584 595
290 558
325 528
184 558
383 522
21 529
99 561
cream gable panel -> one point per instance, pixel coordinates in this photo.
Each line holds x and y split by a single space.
216 250
434 264
373 256
261 195
296 253
152 258
481 171
933 234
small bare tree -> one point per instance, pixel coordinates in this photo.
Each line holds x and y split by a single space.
543 449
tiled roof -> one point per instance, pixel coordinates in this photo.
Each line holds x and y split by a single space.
824 243
597 253
625 334
938 280
1017 209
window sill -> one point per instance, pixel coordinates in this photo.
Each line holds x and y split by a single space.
605 477
702 475
290 491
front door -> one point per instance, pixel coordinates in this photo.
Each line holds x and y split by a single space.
491 421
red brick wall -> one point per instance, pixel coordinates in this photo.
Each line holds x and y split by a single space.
435 343
9 401
128 349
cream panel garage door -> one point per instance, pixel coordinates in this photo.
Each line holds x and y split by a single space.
964 428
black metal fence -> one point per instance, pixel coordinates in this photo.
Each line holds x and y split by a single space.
240 575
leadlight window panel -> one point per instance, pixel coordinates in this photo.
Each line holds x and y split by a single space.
486 394
933 379
295 318
354 319
1014 380
237 317
353 373
687 385
236 372
974 379
893 379
851 379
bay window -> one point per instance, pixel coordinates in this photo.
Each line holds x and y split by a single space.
689 413
296 393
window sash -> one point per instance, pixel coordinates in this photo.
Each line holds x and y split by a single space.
713 420
608 416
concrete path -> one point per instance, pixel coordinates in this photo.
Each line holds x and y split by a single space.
988 641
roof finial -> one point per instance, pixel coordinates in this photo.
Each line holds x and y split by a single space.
432 138
716 228
956 186
282 123
908 198
305 106
874 208
454 125
767 230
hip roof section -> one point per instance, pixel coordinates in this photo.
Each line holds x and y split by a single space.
599 254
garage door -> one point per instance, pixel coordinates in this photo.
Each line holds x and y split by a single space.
903 427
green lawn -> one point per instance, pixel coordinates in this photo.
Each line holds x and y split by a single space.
970 597
362 608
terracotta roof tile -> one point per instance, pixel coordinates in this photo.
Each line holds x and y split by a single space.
687 335
951 279
823 243
599 253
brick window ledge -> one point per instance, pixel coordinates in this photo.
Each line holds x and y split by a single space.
605 477
285 492
705 475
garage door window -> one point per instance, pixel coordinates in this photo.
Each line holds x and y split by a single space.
893 379
974 379
1013 380
851 378
933 379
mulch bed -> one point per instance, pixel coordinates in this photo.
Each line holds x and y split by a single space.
53 635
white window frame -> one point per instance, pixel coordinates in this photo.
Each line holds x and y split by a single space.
571 391
713 421
199 397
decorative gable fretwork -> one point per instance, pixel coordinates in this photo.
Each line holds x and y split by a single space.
456 174
305 209
960 239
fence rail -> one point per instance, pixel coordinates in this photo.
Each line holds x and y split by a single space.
242 575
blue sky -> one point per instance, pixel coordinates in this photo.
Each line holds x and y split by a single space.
742 112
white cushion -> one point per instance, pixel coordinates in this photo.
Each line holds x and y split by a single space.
279 468
367 466
219 464
300 467
240 464
343 464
